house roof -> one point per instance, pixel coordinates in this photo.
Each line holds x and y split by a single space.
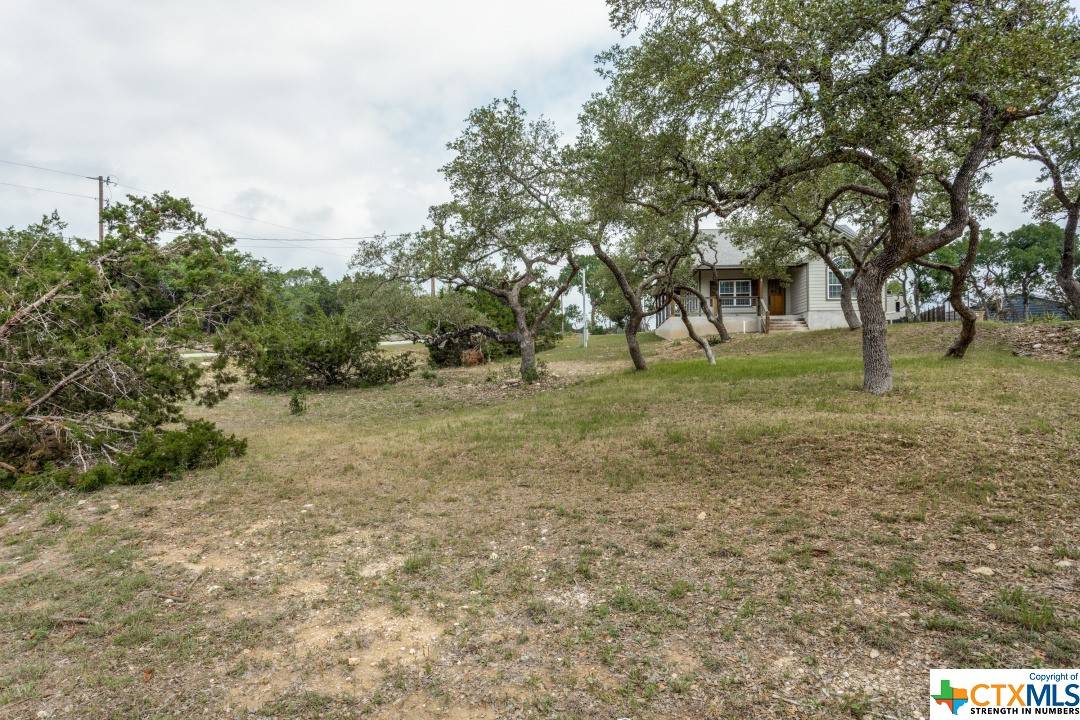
724 254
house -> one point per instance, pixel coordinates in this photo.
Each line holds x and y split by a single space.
809 299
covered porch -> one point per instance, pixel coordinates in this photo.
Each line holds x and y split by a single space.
746 304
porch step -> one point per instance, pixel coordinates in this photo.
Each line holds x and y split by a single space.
783 323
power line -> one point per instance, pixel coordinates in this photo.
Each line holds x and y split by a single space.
314 237
56 192
38 167
144 192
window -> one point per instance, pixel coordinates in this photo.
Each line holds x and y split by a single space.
833 289
735 293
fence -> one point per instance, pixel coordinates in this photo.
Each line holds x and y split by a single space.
941 313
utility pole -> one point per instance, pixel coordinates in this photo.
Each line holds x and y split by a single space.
100 208
584 316
432 286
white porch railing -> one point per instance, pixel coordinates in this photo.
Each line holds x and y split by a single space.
740 304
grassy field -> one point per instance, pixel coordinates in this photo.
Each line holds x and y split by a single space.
755 539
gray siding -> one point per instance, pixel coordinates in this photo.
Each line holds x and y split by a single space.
817 287
797 290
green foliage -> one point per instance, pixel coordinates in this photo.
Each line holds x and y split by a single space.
506 230
1031 254
297 403
90 351
317 333
302 292
158 454
319 351
170 452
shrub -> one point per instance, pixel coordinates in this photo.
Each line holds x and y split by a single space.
169 453
319 351
157 455
297 403
377 368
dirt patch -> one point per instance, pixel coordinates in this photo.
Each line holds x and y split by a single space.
335 656
304 587
375 568
196 560
420 707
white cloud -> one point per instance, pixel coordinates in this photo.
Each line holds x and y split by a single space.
326 116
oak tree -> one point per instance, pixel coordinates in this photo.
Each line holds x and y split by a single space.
902 92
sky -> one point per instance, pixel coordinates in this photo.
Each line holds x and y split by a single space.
327 117
320 119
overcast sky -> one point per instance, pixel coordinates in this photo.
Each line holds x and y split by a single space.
327 117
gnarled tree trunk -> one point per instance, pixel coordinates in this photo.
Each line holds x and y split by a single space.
877 368
702 342
716 320
525 340
967 324
956 292
850 316
527 344
1066 274
633 325
633 300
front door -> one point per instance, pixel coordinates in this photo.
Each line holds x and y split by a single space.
777 298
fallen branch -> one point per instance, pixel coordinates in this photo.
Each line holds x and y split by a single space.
76 620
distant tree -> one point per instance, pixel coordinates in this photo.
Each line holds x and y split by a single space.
925 285
1030 255
596 286
303 291
91 372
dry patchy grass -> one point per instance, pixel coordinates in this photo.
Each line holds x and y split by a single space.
756 538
